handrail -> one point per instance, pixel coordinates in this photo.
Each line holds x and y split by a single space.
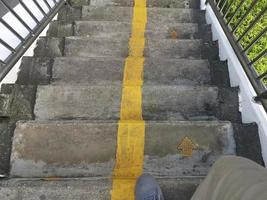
226 14
16 53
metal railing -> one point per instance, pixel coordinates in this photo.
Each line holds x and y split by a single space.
245 25
38 12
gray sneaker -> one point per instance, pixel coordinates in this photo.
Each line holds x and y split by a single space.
147 189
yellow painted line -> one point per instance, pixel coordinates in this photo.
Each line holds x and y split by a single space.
131 127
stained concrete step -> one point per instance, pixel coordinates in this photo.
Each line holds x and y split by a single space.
88 149
124 14
86 189
159 102
150 3
106 71
99 47
154 15
88 47
115 29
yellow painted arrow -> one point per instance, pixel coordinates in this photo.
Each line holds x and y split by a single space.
187 147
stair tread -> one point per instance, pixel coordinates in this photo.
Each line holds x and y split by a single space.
159 15
181 48
117 30
106 70
150 3
87 188
102 28
82 148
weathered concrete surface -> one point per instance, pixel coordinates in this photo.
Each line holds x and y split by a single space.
85 148
219 73
97 27
88 47
248 142
229 105
49 47
103 102
60 29
150 3
65 149
122 30
35 71
86 189
90 102
106 71
163 159
179 102
94 189
69 14
79 2
17 101
174 188
6 134
155 15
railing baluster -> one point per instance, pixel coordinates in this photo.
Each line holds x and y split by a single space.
47 4
258 57
260 96
236 11
218 3
244 16
2 62
256 39
229 8
16 15
7 46
11 29
252 24
223 5
40 8
29 12
262 75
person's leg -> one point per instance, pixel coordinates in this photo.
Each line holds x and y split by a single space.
147 189
234 178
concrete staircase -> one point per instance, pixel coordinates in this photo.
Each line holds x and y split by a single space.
67 98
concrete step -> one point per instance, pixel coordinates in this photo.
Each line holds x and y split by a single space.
85 189
38 70
115 29
154 15
88 149
150 3
159 102
167 48
106 71
99 47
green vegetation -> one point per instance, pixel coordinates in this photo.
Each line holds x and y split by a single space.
261 45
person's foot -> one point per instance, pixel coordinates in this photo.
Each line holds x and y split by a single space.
147 189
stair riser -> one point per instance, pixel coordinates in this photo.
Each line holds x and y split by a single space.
83 149
94 189
108 71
